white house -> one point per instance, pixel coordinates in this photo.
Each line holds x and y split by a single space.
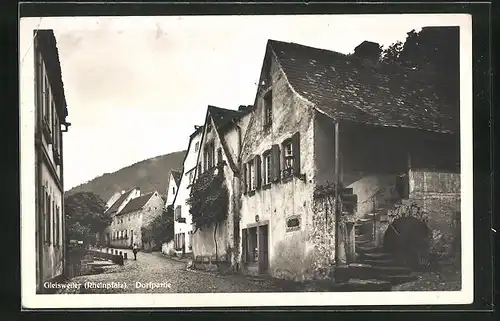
182 216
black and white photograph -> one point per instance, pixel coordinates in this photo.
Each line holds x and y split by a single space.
246 160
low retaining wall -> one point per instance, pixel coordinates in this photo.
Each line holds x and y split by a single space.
209 263
116 256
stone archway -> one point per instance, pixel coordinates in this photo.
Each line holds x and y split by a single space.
408 240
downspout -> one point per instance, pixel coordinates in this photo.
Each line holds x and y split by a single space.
336 195
236 200
39 215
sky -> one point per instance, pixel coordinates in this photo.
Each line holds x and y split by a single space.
136 86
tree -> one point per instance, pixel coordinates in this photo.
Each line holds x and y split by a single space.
85 215
435 50
161 228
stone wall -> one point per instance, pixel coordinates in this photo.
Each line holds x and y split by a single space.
438 194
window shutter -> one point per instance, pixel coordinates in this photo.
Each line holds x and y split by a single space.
244 246
54 222
258 171
245 178
275 163
296 153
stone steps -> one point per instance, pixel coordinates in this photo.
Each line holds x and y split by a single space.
398 279
379 262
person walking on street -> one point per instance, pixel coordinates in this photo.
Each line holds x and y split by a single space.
135 249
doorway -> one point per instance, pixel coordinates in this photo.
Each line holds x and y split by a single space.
263 248
255 241
131 237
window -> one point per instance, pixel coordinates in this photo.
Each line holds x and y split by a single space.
46 95
197 146
48 215
177 212
293 223
268 109
209 156
173 190
54 227
191 174
267 167
291 156
288 155
58 226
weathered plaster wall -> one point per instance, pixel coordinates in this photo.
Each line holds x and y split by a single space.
52 258
171 191
184 189
203 240
288 251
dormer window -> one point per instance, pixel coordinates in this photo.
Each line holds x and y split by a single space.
268 109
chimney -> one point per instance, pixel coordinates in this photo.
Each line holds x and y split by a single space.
242 107
368 50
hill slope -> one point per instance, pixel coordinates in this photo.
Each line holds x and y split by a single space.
149 175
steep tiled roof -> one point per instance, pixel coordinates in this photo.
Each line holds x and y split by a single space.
113 208
222 116
47 45
136 204
345 87
177 177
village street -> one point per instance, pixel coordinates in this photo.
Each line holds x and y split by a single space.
168 275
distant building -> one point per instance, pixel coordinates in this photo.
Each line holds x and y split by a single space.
220 149
50 117
131 215
115 207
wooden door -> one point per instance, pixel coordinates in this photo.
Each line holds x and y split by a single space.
263 248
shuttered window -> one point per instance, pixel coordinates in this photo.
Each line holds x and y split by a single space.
291 156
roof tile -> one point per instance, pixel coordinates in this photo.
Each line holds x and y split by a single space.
345 87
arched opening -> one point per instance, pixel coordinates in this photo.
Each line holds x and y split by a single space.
408 240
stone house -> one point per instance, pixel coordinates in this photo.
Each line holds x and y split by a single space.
139 211
324 119
50 115
117 204
220 144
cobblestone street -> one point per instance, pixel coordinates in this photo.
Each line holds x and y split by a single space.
170 277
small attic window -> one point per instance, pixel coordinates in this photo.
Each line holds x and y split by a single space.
268 109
